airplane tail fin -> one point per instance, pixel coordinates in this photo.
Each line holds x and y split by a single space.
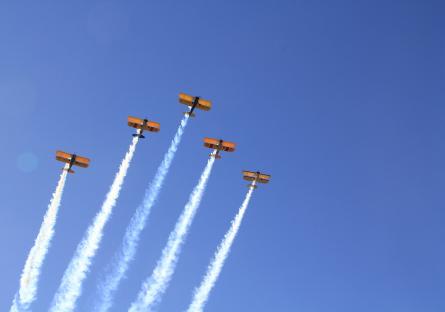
139 135
252 186
69 170
189 114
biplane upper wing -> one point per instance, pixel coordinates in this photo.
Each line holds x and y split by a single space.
138 123
152 126
78 161
63 157
204 104
135 122
186 99
249 175
264 178
217 144
228 146
82 162
211 143
189 101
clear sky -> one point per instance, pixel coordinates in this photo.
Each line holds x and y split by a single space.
341 101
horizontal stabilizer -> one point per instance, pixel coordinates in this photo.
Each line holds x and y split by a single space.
140 136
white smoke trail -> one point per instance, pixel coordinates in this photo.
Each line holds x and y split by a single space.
71 286
154 287
214 269
31 272
108 287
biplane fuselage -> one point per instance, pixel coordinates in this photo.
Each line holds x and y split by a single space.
141 125
72 160
194 102
71 163
255 178
219 145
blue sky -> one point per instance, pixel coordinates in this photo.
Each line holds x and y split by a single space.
341 101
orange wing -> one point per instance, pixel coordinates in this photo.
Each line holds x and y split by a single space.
152 126
228 146
204 104
249 175
252 176
135 122
188 100
66 158
82 162
211 143
138 123
63 157
264 178
217 144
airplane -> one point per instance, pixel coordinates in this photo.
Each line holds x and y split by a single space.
72 160
141 125
255 177
194 102
219 145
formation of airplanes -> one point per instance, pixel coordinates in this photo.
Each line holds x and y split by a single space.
141 125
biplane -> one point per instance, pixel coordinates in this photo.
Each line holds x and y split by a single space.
219 145
194 102
255 177
143 124
72 160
